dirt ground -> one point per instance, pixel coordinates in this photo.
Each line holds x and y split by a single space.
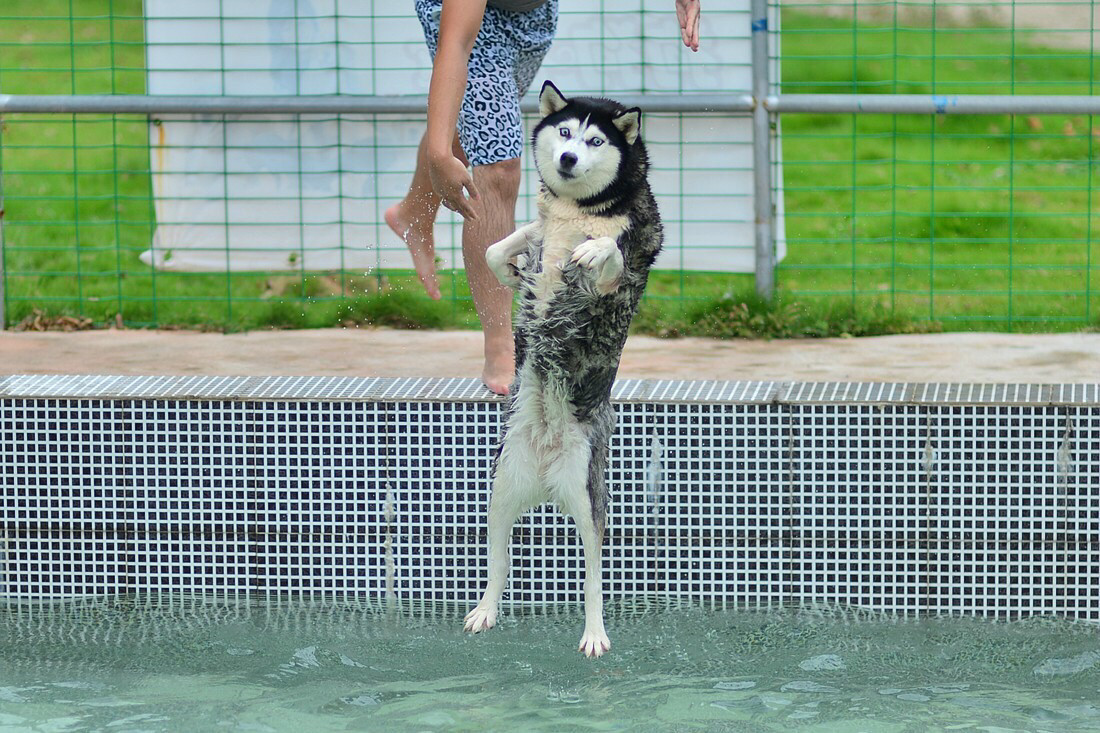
952 357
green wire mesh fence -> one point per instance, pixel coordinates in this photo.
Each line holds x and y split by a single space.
67 251
966 221
974 221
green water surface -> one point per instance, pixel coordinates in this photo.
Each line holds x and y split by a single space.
188 664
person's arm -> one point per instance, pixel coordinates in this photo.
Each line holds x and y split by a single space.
687 12
458 28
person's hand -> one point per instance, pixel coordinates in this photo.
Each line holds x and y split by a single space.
451 181
687 12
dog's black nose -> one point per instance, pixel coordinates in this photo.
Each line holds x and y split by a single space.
568 160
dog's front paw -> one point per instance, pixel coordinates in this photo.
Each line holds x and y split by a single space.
603 258
500 264
482 618
594 643
594 253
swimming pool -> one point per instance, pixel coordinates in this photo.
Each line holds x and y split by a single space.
309 505
186 663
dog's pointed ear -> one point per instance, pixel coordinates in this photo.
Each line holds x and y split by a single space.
629 124
550 99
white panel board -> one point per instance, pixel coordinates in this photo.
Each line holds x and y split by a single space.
278 192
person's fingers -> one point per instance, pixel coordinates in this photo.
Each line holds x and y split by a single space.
687 13
451 181
456 201
463 206
693 26
471 187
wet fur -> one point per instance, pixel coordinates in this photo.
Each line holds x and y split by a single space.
580 271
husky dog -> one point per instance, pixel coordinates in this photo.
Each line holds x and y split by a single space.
585 262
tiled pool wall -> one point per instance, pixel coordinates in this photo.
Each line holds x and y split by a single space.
899 498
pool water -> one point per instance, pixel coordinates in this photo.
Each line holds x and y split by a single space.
193 664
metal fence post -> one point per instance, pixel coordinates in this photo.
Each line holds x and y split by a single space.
3 276
3 315
763 208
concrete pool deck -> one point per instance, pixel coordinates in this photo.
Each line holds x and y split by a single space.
993 358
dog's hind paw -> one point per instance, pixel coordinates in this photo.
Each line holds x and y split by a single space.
482 618
594 643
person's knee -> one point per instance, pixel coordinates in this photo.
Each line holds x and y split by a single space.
500 180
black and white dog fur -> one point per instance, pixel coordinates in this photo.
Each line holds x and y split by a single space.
580 270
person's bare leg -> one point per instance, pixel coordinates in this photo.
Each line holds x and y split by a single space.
498 185
413 219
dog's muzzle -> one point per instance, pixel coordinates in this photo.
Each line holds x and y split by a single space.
566 163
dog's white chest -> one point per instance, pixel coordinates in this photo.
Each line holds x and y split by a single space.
564 226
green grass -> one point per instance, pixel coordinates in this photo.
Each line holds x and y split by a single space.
894 223
980 222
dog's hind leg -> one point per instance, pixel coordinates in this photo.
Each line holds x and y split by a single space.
514 492
577 483
594 641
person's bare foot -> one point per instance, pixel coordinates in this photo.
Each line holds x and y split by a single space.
416 233
500 368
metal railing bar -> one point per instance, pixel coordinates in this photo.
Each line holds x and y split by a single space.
969 104
336 104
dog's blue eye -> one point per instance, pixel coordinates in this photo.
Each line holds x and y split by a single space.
596 142
565 132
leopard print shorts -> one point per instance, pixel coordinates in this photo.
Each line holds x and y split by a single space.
507 53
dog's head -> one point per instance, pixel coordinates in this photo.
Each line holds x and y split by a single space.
582 145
